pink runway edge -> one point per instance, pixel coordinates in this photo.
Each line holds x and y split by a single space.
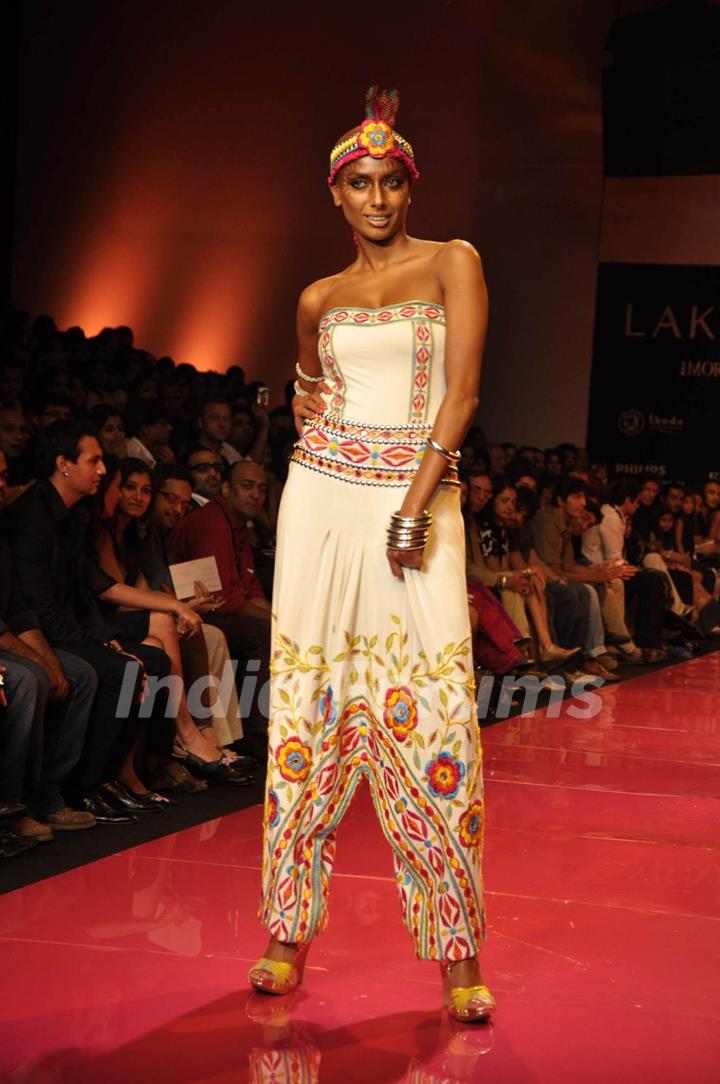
602 885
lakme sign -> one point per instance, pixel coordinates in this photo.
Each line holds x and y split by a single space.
655 392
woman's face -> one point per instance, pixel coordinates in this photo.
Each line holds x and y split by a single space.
135 495
712 494
112 436
112 496
688 504
374 194
504 506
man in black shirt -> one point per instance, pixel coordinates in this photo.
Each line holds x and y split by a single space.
60 582
49 697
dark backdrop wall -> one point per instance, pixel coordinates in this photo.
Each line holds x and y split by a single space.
172 158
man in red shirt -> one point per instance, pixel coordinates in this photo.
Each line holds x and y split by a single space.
220 529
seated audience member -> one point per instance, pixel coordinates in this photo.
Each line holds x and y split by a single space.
644 517
610 592
189 745
685 525
49 696
480 490
110 430
250 430
173 396
598 483
61 586
14 437
553 528
98 387
686 581
707 522
553 462
277 459
282 425
604 548
242 611
148 432
52 407
206 468
494 636
143 389
526 454
138 552
498 460
473 451
213 430
568 456
12 382
574 612
672 499
495 522
523 476
688 541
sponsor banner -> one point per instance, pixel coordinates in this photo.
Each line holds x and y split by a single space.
655 386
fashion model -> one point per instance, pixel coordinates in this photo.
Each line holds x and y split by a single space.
372 675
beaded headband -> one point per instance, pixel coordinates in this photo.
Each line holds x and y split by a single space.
375 136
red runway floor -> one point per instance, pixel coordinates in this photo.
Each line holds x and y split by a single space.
602 881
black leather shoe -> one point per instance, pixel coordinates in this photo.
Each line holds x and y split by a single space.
151 798
104 813
11 845
116 796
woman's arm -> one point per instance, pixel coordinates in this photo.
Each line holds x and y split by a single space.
679 532
466 312
124 595
305 407
714 529
106 556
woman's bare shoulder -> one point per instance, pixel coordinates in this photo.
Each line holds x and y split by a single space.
313 301
457 253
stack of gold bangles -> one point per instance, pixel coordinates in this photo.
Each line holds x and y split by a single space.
408 532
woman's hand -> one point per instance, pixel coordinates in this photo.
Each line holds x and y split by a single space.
400 559
519 583
306 407
203 601
537 579
190 621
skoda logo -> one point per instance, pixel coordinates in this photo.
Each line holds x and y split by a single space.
631 423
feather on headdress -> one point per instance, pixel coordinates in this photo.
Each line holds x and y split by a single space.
375 136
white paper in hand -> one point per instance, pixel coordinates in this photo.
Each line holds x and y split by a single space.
187 573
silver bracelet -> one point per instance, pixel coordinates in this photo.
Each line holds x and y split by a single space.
304 376
299 390
451 457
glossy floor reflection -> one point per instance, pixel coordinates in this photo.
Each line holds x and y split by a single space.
603 886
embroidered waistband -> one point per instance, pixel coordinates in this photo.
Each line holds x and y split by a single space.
363 453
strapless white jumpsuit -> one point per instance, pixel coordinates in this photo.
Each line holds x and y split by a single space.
371 677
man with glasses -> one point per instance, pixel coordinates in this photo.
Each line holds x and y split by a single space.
206 468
